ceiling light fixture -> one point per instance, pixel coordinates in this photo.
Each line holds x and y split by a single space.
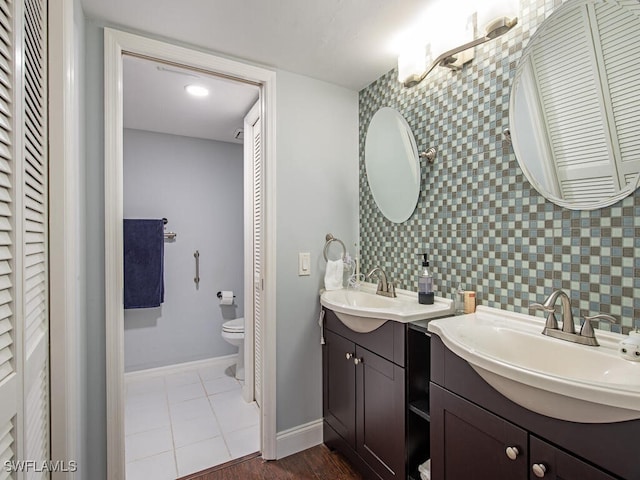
498 17
197 90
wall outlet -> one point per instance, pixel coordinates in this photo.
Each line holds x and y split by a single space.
304 263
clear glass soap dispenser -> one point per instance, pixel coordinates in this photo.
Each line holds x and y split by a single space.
425 284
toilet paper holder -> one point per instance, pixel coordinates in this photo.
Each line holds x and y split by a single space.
219 295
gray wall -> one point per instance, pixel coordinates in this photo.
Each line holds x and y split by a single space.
478 217
198 186
317 177
317 194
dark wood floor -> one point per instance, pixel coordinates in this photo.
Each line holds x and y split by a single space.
317 463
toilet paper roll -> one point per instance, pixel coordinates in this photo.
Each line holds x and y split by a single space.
226 297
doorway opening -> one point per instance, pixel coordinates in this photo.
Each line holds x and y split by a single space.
210 366
184 375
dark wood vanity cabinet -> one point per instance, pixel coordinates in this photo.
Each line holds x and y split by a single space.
471 442
364 396
476 433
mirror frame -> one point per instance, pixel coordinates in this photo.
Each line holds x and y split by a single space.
404 133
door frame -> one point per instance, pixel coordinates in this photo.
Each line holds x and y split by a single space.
115 44
64 232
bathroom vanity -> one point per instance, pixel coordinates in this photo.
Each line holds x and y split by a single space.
476 432
375 396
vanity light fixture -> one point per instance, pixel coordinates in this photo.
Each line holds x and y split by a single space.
197 90
499 17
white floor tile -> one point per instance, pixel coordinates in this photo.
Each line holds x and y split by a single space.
137 386
194 430
182 378
232 412
198 407
170 417
158 467
243 442
201 455
147 444
181 393
221 385
148 399
141 417
215 371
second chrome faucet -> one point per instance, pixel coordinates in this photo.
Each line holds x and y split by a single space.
585 337
385 287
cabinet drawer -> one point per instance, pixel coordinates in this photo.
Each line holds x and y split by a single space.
387 341
558 464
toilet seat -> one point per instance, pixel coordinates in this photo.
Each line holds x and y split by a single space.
234 326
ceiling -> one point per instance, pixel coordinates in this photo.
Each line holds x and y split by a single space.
346 42
155 100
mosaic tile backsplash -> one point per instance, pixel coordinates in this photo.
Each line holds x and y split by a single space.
481 222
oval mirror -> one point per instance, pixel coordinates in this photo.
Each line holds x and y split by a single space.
575 105
392 164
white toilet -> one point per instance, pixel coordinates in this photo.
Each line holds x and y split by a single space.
233 332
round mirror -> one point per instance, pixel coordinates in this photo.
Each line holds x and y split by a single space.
574 104
392 164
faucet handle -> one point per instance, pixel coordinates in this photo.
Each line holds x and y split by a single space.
391 288
539 306
552 322
587 328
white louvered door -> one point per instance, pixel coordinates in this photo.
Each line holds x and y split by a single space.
34 230
256 139
24 325
9 380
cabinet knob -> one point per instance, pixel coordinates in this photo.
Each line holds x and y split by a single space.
349 355
358 360
512 452
539 470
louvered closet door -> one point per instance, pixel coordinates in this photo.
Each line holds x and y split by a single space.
24 349
593 160
9 379
256 138
34 229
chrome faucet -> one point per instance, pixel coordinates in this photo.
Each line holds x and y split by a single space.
549 306
385 288
585 337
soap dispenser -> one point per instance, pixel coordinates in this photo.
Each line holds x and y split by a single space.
425 283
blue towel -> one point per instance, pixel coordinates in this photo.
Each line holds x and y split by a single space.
143 263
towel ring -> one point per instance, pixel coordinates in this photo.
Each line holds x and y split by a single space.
330 238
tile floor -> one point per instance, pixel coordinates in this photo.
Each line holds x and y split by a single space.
185 421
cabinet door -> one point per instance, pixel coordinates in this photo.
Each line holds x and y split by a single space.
469 442
551 463
340 386
380 414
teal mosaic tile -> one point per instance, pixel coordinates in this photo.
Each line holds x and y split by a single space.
477 217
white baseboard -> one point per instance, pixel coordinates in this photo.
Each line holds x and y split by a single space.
298 438
179 367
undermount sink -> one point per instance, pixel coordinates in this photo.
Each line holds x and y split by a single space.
363 311
552 377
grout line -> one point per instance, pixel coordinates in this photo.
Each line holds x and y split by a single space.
173 440
226 445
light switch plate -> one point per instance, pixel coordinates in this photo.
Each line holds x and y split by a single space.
304 263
